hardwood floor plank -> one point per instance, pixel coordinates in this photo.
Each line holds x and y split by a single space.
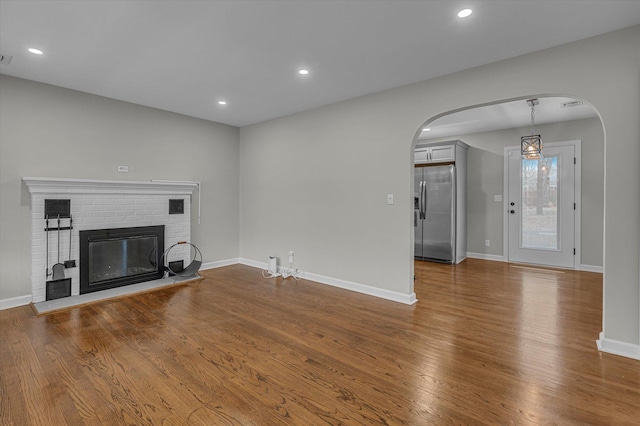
487 343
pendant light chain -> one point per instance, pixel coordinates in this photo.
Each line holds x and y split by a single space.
533 116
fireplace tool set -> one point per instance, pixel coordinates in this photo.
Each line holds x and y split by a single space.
59 286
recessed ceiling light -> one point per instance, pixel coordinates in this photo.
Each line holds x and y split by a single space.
464 13
222 102
303 71
35 51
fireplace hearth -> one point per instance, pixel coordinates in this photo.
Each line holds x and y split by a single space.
117 257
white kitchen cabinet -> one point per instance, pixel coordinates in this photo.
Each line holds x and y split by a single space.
422 155
435 154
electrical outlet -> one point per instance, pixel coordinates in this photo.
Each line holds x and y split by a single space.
291 256
487 243
123 169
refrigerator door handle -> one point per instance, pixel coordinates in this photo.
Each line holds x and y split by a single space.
424 202
420 202
422 184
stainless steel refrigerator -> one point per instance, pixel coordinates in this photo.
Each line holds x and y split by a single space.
434 215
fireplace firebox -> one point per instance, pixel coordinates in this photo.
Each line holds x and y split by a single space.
120 256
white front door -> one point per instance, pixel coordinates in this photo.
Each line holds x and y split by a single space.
541 207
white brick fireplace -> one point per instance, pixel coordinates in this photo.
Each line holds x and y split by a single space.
99 204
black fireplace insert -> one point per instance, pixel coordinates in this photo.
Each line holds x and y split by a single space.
120 256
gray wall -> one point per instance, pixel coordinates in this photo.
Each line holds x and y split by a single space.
485 179
316 182
47 131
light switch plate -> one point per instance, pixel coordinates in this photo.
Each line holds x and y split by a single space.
389 199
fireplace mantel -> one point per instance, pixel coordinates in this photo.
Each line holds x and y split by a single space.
44 185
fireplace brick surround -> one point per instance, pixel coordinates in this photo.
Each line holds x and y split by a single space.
97 204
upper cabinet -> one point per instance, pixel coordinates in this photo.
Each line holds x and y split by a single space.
442 152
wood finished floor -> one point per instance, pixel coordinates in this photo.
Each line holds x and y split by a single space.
487 343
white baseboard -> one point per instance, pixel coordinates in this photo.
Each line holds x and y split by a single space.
14 302
407 299
590 268
484 256
219 264
617 347
253 263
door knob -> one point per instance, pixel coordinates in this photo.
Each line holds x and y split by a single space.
513 204
512 212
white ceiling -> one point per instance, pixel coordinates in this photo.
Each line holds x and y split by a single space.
184 56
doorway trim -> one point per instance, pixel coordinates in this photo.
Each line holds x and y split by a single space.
576 144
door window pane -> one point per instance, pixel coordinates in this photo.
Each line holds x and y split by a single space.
540 215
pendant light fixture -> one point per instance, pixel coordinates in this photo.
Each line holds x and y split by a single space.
531 146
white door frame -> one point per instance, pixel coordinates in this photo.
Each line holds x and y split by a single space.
577 198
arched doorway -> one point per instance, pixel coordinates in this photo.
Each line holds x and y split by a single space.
488 129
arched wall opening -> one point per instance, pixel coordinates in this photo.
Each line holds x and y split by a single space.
485 198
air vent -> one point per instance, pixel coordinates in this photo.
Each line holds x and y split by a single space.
5 59
571 104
